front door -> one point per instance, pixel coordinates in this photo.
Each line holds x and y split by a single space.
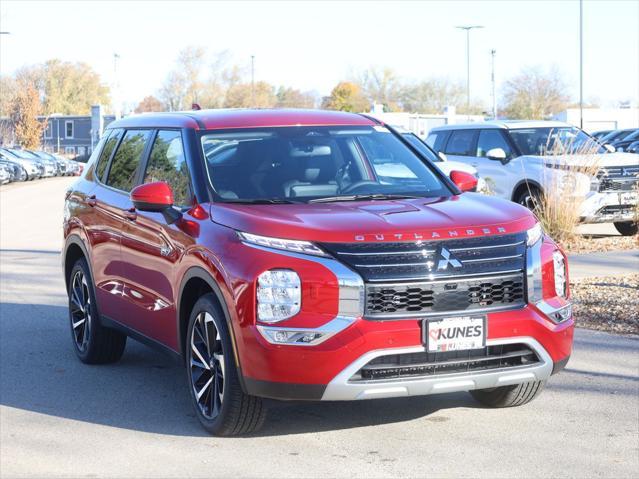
151 247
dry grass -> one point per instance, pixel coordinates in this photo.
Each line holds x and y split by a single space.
566 184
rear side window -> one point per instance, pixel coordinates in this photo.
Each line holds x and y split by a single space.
112 140
126 161
167 163
461 143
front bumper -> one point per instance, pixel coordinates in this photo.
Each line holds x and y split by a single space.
326 372
607 207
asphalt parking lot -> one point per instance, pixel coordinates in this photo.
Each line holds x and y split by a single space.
61 418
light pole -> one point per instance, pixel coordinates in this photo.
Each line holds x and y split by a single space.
252 81
116 87
581 64
468 28
492 79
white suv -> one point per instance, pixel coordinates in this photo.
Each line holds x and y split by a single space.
514 158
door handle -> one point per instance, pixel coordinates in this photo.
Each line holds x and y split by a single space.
92 200
131 214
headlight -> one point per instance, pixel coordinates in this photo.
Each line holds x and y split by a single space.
279 295
559 266
534 234
304 247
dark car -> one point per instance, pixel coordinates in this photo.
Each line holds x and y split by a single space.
307 255
617 135
624 143
598 135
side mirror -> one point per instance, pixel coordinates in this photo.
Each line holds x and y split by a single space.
496 154
155 197
464 181
610 148
442 155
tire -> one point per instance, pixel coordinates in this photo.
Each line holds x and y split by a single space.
509 396
210 367
92 342
627 228
530 197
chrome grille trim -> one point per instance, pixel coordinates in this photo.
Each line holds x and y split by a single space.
507 245
496 258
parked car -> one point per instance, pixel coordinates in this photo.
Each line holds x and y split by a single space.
60 164
516 158
617 135
5 174
624 144
294 261
598 135
18 173
633 147
34 169
440 160
49 168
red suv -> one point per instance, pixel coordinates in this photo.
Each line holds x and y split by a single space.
307 255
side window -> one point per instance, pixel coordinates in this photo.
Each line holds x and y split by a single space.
127 159
112 138
461 143
490 139
167 163
436 140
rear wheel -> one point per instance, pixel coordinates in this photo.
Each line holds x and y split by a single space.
627 228
220 404
509 396
93 343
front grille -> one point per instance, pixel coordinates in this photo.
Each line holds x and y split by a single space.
416 299
413 279
425 364
616 210
618 178
383 262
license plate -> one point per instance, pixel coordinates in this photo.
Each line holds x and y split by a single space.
455 333
628 198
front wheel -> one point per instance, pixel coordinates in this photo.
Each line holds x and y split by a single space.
530 197
627 228
221 406
509 396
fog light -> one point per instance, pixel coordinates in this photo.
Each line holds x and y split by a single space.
278 295
559 265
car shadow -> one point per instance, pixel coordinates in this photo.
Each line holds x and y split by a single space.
147 391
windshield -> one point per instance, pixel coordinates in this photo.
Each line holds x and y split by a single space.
296 164
554 141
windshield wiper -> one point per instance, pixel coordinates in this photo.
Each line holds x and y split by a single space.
258 201
376 196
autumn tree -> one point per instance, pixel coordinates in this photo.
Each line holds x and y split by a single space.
291 98
7 93
25 107
245 95
534 94
149 103
346 96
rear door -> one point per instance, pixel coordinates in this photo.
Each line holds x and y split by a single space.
151 247
113 207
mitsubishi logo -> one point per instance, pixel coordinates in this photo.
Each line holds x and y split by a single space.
447 259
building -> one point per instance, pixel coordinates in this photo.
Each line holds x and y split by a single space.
601 118
74 135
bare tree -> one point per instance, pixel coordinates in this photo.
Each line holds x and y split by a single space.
291 98
535 94
381 85
149 103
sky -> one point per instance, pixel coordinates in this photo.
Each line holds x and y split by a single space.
313 45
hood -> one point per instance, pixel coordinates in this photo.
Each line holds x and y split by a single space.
466 215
